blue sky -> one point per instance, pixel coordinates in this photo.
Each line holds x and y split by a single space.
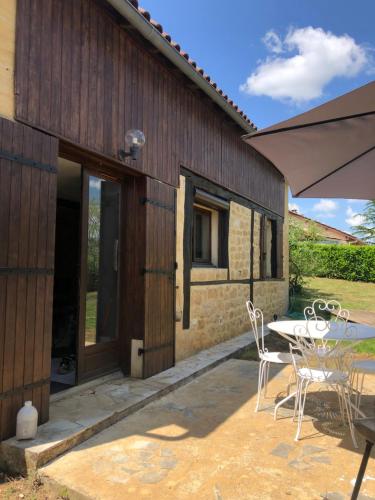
317 49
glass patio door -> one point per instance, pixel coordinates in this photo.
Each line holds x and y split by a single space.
101 205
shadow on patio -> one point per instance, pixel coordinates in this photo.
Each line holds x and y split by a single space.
204 440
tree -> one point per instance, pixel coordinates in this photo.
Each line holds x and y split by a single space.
93 245
366 230
300 260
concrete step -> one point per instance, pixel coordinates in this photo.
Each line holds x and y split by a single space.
81 412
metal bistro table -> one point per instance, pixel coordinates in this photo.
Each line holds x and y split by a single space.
321 330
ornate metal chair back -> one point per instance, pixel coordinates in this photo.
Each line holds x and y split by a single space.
257 325
320 306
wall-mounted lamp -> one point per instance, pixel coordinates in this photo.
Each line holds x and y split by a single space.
135 140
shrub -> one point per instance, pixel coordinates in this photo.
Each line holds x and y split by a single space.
300 262
352 263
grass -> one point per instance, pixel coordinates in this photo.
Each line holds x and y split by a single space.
29 488
351 295
91 313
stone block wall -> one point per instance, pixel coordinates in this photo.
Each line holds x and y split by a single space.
217 310
7 55
239 241
256 245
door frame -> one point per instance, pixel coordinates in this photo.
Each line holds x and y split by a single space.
102 358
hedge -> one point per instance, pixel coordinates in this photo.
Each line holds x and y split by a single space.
352 263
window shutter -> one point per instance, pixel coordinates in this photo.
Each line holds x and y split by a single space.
280 249
28 161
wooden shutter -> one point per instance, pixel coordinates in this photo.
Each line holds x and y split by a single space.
280 248
159 333
27 232
263 248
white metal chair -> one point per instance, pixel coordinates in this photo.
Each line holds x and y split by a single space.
266 357
320 306
331 368
360 368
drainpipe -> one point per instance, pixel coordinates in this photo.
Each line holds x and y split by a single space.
129 12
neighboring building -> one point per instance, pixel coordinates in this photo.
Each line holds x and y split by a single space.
330 235
108 262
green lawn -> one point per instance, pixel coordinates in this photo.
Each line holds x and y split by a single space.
91 313
350 294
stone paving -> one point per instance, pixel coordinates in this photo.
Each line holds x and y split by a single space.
204 441
81 412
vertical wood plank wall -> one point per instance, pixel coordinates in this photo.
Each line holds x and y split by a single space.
159 333
27 229
81 76
133 259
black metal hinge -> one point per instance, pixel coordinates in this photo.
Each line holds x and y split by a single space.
21 389
158 271
142 351
157 203
25 270
5 155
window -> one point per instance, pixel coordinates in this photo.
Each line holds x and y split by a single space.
210 230
271 237
270 244
202 237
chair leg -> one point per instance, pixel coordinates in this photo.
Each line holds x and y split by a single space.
297 399
260 383
362 470
302 401
359 392
349 413
291 381
341 405
266 379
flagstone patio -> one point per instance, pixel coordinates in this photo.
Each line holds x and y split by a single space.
204 441
81 412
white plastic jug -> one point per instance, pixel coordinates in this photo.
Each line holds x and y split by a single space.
27 422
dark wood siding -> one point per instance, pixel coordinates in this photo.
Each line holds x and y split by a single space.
81 76
27 224
159 334
149 273
133 262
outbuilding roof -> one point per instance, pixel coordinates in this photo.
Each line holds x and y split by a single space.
329 232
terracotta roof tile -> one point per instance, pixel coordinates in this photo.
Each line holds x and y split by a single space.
144 13
185 55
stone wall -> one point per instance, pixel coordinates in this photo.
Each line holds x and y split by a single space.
7 54
217 311
256 245
239 241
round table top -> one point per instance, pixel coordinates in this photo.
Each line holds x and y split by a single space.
327 330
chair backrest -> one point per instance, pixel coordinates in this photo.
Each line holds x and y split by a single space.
323 356
256 321
320 305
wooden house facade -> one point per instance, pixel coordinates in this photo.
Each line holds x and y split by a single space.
109 263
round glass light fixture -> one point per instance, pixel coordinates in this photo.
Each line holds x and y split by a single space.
134 137
134 140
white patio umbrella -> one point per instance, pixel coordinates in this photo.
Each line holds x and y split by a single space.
328 151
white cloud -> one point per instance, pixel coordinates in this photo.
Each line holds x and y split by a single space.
325 206
325 215
356 201
325 209
353 218
293 207
94 184
273 42
315 58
